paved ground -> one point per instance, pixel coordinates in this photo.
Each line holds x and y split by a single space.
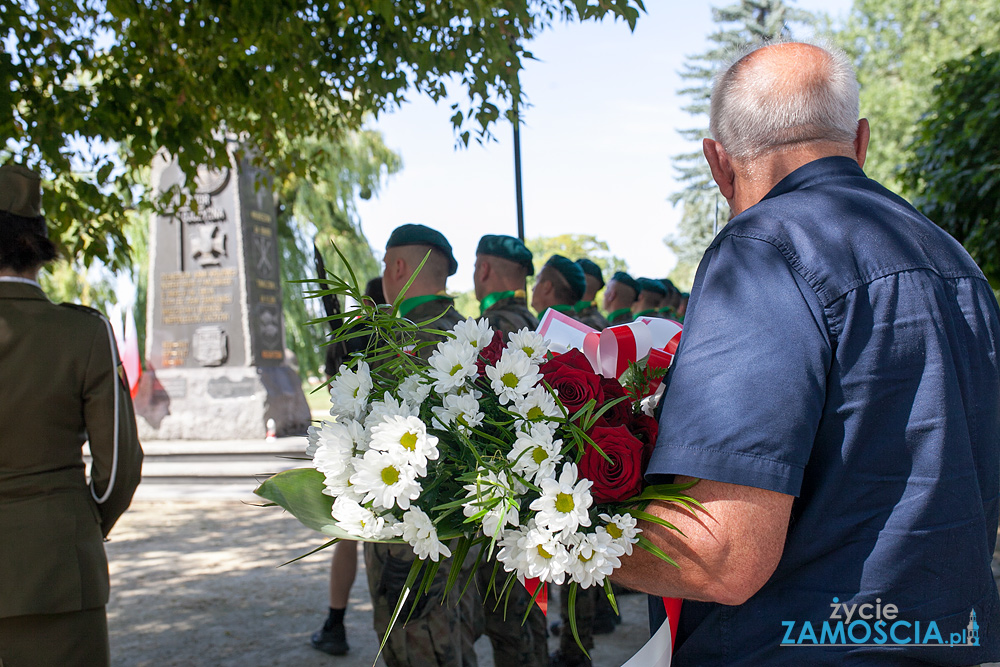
197 575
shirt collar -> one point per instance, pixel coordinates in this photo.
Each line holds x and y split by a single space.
817 171
18 279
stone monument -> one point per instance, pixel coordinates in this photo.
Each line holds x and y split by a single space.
215 338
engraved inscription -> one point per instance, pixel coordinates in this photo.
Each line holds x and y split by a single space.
197 297
226 388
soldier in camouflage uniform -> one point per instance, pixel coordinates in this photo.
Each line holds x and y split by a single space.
503 264
586 308
651 295
619 296
560 284
441 630
671 301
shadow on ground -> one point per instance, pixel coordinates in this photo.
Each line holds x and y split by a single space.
201 583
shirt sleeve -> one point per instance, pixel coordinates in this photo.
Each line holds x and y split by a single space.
744 397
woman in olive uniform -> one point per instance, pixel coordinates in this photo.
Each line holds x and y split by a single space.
60 385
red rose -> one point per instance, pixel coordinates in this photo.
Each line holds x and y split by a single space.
574 358
645 428
621 477
574 386
490 354
619 414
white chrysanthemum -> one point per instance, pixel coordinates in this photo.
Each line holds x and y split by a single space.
535 454
459 409
494 493
349 391
592 558
408 438
414 391
473 333
622 529
337 466
385 479
565 502
341 434
420 533
386 408
532 344
451 364
513 376
356 519
512 554
537 406
312 439
547 558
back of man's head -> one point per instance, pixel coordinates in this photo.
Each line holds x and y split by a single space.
784 94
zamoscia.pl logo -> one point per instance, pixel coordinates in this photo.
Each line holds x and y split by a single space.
875 624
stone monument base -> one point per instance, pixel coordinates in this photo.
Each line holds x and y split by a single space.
220 403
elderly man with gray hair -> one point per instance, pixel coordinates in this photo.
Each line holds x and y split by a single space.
837 394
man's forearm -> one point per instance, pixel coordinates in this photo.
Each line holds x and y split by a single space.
727 551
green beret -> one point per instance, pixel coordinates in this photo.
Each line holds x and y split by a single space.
20 191
651 285
669 284
507 247
625 279
572 272
422 235
591 269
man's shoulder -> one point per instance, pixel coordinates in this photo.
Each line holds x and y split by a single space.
843 232
510 315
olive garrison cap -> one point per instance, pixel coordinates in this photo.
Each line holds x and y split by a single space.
507 247
20 191
651 285
625 279
422 235
591 269
572 272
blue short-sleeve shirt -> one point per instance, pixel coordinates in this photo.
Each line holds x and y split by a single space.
841 348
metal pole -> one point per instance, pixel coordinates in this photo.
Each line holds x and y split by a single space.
517 173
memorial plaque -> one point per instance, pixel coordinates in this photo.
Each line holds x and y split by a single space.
215 323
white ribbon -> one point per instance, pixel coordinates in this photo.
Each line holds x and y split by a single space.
655 652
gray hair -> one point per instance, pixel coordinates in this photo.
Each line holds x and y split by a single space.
753 112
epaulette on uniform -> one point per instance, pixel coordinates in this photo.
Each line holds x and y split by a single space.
84 309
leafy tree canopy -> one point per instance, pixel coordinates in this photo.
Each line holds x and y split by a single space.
955 170
897 46
703 209
82 80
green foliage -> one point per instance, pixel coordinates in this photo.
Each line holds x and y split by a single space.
702 207
897 46
324 212
955 168
576 246
94 89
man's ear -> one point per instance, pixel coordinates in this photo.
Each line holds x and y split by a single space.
722 168
861 139
482 272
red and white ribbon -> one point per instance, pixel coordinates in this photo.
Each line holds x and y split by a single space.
610 351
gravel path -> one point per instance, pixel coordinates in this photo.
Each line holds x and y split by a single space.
198 583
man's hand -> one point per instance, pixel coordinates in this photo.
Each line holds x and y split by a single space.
728 552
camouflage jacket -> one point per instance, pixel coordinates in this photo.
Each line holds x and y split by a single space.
621 316
510 315
429 310
592 317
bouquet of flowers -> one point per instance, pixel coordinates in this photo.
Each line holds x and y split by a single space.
493 449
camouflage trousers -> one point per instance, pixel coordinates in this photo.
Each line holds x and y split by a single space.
441 630
516 643
586 600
